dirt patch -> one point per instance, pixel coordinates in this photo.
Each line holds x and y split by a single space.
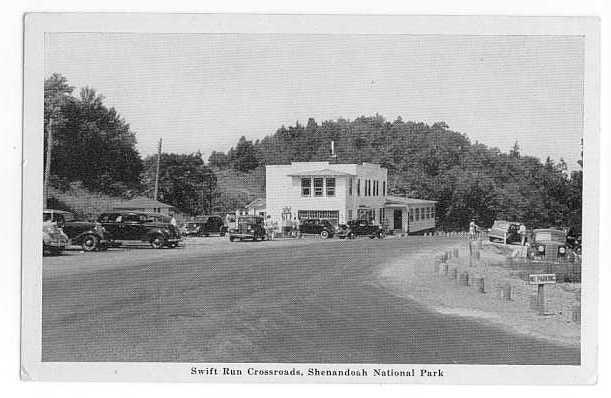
454 286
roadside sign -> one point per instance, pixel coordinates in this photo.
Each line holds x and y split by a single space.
540 279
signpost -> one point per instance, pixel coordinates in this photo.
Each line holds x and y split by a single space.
541 280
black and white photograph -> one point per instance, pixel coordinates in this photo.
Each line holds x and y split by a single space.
310 198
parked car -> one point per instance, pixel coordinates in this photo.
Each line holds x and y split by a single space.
548 244
505 232
89 235
155 229
315 226
54 240
573 239
248 227
206 226
356 228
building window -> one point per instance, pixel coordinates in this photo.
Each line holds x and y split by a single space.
411 215
377 188
417 214
318 185
350 186
383 188
349 215
433 213
306 187
331 215
330 186
358 187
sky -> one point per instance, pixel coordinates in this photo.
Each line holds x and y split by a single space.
204 91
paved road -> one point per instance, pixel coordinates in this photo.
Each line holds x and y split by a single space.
300 301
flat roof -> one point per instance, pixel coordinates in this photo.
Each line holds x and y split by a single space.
398 200
323 172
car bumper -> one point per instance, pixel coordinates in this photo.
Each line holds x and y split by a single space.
55 244
240 235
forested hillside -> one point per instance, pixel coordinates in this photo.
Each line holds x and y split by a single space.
470 180
95 147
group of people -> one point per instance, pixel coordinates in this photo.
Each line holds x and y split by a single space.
290 228
474 230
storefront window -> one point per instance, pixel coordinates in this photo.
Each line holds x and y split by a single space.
417 214
350 186
330 186
358 187
383 188
318 185
306 187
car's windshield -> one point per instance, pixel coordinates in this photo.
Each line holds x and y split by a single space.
57 217
549 236
500 224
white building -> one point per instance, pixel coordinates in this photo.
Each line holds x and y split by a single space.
339 193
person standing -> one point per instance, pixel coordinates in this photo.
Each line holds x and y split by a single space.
522 232
472 229
295 225
269 228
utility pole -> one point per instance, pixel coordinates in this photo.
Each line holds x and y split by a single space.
157 172
48 160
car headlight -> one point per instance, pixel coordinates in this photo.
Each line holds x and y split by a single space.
561 250
541 248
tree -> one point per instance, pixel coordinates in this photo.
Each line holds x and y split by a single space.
91 143
245 156
184 181
218 160
515 151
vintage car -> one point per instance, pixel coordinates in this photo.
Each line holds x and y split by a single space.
315 226
206 226
549 245
248 227
573 239
504 232
155 229
54 240
356 228
89 235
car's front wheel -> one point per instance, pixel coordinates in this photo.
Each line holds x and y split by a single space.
324 234
90 243
157 242
231 238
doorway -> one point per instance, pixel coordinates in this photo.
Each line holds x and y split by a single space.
398 219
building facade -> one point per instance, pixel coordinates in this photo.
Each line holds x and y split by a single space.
339 193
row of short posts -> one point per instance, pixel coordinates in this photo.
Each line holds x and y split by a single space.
464 278
505 290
